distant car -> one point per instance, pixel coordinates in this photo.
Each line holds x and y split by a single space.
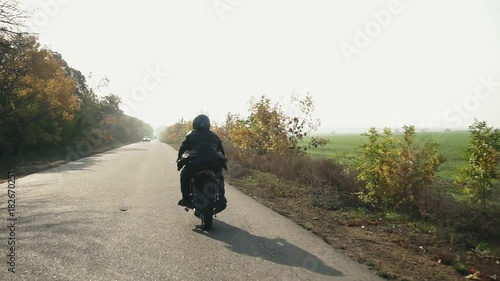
146 139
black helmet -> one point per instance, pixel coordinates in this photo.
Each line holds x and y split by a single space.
201 122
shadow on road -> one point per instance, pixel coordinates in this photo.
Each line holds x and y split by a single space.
88 162
126 149
276 250
50 232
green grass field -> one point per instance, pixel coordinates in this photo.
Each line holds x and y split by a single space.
451 145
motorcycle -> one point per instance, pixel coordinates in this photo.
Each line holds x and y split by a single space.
205 195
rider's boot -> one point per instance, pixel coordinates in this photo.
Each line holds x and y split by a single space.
185 201
221 204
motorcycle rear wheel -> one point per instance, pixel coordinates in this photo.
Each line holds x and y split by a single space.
207 216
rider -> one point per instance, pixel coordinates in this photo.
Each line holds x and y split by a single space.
205 152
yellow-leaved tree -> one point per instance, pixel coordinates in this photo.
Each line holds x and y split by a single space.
36 96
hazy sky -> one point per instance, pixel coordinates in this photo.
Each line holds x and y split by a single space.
366 63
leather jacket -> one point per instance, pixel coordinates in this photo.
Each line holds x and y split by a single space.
203 146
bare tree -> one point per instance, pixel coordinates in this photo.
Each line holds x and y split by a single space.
11 20
11 16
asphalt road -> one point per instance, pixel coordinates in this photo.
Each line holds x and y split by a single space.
114 216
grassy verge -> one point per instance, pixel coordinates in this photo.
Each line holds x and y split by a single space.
393 245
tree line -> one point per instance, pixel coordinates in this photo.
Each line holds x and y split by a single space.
47 105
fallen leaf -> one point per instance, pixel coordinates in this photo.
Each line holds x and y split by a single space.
475 276
471 269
